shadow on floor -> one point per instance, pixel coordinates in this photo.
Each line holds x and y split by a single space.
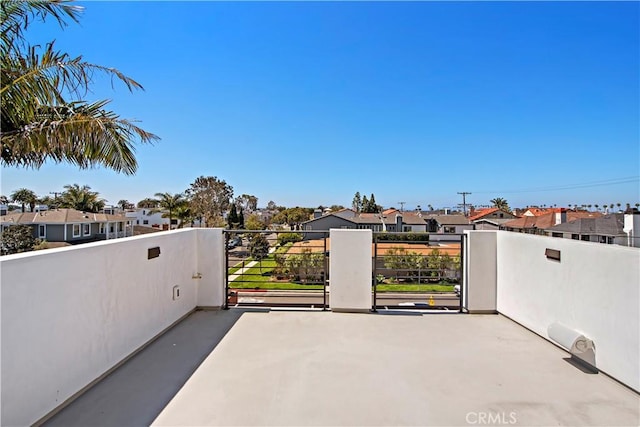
583 366
135 393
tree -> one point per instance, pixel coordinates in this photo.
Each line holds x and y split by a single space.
148 203
16 239
501 204
184 215
335 208
306 266
370 206
81 198
210 197
247 203
258 248
24 197
170 203
50 202
43 114
271 205
241 219
365 203
356 204
253 222
125 204
232 219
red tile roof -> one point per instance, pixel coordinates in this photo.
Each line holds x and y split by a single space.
479 213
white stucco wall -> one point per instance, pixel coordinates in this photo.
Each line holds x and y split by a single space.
350 266
210 265
481 276
71 314
594 289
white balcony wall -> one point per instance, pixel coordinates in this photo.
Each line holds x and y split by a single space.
70 315
481 279
594 289
350 266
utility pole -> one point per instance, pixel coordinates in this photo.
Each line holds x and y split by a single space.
55 194
464 201
401 206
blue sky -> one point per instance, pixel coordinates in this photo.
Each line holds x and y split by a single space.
307 103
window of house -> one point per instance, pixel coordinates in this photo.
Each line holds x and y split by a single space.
449 229
120 226
501 215
138 222
101 228
86 229
575 237
556 234
76 230
406 228
585 238
111 229
145 221
42 231
610 240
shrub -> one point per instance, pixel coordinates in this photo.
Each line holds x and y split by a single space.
16 239
285 238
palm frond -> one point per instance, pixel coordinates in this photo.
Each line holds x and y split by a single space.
16 16
83 134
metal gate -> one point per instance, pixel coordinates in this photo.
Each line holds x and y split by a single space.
277 268
418 271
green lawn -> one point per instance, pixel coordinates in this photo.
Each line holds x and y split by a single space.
259 275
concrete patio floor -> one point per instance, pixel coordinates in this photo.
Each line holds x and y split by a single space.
248 367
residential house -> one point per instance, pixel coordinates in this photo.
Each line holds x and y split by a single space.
391 220
535 211
539 224
617 228
446 225
70 225
153 218
490 223
489 213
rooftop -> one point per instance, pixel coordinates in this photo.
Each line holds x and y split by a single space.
320 368
131 332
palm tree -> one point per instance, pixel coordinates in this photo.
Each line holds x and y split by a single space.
81 198
43 114
184 215
24 197
124 204
500 203
148 203
170 202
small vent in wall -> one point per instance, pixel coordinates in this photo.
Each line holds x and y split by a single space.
153 252
553 254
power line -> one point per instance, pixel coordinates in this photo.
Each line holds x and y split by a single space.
614 181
